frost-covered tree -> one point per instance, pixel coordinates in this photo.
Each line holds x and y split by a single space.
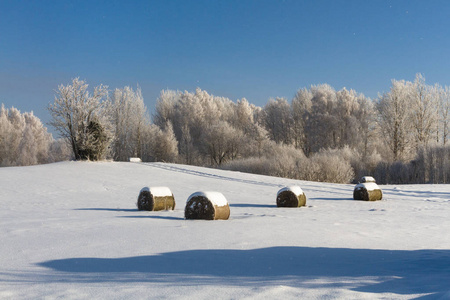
327 119
83 119
166 145
36 141
443 95
11 129
23 139
278 120
395 118
442 111
165 107
322 126
184 112
192 115
222 142
301 110
243 115
424 114
187 149
160 145
130 118
346 110
367 138
60 151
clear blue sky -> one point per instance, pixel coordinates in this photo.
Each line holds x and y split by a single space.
252 49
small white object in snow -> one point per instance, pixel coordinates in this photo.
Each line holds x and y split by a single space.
216 198
135 159
293 188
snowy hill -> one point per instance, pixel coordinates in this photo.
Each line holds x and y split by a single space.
72 230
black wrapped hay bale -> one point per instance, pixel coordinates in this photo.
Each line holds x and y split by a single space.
207 206
367 190
291 196
155 198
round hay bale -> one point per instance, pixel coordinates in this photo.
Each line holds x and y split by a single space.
367 191
155 198
207 206
291 196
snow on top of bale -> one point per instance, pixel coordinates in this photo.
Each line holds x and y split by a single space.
293 188
370 186
157 191
160 191
367 179
216 198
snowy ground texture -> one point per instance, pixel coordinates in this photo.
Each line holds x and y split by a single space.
71 230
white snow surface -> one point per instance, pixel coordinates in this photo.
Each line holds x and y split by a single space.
216 198
293 188
370 186
71 230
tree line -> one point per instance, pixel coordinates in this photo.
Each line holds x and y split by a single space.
24 140
320 134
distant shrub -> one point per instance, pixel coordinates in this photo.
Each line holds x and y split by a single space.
254 165
279 160
291 163
330 167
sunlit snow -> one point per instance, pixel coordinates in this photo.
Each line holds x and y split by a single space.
71 230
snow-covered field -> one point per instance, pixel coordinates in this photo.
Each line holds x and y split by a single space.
71 230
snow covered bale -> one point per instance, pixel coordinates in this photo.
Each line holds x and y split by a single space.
291 196
367 191
207 206
135 159
365 179
155 198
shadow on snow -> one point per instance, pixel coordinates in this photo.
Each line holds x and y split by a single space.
111 209
253 205
377 271
153 217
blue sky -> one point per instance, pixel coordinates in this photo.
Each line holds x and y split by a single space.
236 49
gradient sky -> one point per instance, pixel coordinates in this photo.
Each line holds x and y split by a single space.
236 49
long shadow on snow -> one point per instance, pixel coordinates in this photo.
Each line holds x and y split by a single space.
398 271
332 198
110 209
253 205
131 210
152 217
